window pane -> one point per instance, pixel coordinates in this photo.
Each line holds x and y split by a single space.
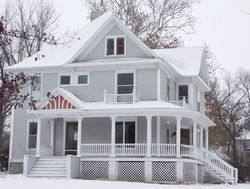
33 128
32 142
130 132
82 79
110 47
125 79
119 132
65 80
183 92
125 89
120 46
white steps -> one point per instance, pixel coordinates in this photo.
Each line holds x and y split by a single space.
49 167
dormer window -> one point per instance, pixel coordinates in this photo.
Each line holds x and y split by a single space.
115 46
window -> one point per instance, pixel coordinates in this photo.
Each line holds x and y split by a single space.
183 92
185 136
110 47
82 79
120 46
36 89
74 79
32 135
115 46
125 83
65 80
125 132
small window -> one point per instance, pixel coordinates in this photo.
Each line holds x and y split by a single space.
65 80
32 135
183 92
110 47
125 132
82 79
36 89
120 46
115 46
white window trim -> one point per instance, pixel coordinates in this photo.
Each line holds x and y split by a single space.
128 119
189 91
124 71
115 45
27 133
73 79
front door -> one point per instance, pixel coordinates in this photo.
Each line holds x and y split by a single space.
185 136
71 138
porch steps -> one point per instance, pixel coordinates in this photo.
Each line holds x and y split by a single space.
49 167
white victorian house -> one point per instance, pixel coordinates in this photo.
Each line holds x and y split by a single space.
117 110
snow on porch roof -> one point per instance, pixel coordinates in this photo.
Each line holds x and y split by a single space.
185 60
53 56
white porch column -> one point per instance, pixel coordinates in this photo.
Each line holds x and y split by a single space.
38 138
178 136
206 138
195 137
113 118
201 137
79 136
52 135
149 135
158 134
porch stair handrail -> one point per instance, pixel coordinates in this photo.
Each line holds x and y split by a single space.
217 164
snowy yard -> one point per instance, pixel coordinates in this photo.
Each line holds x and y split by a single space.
15 181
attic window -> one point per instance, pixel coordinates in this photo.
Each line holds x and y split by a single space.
115 46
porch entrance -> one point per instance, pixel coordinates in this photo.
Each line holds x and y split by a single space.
71 138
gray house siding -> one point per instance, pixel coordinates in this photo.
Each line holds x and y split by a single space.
99 81
50 82
132 50
147 84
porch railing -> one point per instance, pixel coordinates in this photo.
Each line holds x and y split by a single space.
218 164
131 149
96 149
121 98
187 150
163 149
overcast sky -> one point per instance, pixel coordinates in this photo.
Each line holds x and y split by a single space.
222 24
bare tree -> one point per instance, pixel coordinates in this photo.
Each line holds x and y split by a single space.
158 23
228 108
24 28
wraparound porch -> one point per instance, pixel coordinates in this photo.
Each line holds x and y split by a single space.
142 136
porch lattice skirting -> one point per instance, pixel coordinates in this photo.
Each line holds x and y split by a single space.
152 171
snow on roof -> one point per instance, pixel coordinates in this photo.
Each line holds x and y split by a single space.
185 60
53 56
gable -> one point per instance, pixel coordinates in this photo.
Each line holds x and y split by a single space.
203 70
132 49
58 102
60 99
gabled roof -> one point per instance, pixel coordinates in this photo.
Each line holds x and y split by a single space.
185 60
59 55
60 99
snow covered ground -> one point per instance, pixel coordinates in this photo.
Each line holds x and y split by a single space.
19 181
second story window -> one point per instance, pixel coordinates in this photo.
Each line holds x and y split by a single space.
65 80
183 92
82 80
115 46
125 83
36 89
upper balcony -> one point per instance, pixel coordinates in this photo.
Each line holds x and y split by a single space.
135 97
